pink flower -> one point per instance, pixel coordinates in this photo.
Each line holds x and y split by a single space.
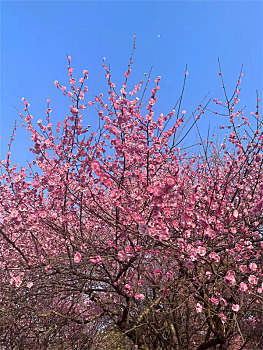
189 265
139 296
74 110
110 244
143 229
198 307
158 191
235 307
223 318
238 247
122 255
97 260
252 279
223 302
164 235
170 180
243 287
231 272
29 285
214 300
208 274
214 257
14 213
169 274
201 251
235 214
104 177
243 268
107 183
115 194
230 279
208 233
18 281
95 165
253 266
157 273
77 258
48 267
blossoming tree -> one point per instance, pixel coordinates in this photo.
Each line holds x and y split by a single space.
121 229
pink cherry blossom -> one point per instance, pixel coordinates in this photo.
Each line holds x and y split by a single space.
214 300
74 110
223 318
235 213
95 165
77 257
139 296
158 273
115 194
198 307
214 257
17 281
170 180
143 229
201 251
122 255
253 266
119 218
235 307
243 287
243 268
97 260
230 279
252 279
29 285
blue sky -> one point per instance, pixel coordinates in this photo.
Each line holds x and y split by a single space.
37 35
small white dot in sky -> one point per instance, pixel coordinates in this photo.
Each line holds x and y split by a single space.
158 35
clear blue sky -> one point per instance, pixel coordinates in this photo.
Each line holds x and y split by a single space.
37 35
